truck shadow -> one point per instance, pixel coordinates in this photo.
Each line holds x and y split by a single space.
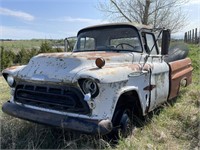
156 112
20 134
141 122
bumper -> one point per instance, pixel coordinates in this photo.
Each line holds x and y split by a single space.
72 123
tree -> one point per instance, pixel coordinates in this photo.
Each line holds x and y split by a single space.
45 47
7 58
159 13
22 56
33 52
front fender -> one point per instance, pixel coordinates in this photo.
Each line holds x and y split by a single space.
109 74
12 70
137 85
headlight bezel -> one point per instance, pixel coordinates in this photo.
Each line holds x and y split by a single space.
89 86
10 80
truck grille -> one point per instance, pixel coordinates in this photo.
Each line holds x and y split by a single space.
69 99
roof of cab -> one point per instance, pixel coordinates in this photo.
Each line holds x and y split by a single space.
136 25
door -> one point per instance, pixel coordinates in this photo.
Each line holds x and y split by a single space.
159 82
159 73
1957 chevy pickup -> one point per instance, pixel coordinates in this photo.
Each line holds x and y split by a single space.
116 72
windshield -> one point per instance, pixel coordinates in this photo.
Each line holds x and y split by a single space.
110 38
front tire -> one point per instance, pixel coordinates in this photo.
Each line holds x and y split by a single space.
122 124
125 124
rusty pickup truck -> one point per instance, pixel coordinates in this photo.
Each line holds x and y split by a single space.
116 72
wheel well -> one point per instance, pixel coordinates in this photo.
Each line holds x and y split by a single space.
130 100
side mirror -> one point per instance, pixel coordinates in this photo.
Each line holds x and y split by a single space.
69 43
165 42
66 42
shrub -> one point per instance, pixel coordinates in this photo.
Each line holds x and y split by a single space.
7 58
22 56
45 47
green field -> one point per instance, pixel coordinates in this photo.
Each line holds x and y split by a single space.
17 45
173 126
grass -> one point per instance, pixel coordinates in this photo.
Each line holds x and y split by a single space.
173 126
16 45
4 91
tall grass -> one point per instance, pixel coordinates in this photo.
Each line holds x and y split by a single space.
172 126
176 126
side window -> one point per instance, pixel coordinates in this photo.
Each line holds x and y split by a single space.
150 43
87 43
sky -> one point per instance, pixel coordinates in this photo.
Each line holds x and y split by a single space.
58 19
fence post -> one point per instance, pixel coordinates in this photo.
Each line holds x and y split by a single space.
190 36
185 37
196 40
193 41
199 37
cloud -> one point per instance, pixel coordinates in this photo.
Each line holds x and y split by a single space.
17 33
80 20
194 2
18 14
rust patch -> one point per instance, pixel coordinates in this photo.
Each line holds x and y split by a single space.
12 68
180 70
86 55
96 54
147 67
91 58
134 67
61 55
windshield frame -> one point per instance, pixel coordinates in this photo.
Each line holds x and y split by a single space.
110 48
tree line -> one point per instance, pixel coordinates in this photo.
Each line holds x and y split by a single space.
9 57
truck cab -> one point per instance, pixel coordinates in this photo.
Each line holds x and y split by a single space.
115 72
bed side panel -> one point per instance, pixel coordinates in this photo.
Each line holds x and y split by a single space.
179 70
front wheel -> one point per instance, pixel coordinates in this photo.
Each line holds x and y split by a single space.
122 123
126 124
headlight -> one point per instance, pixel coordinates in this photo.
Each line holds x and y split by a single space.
89 86
11 81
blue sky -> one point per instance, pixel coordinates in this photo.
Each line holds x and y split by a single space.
57 19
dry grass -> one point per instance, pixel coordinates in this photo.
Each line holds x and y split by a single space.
173 126
4 91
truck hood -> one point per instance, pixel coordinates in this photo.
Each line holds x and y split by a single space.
64 67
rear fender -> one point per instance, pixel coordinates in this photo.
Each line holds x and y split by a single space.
180 71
